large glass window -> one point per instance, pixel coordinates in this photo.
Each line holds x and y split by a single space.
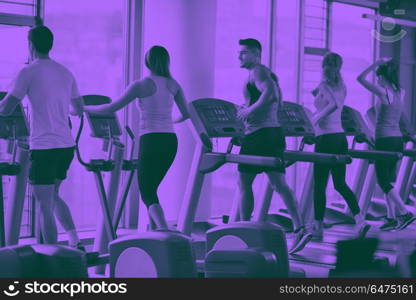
13 57
89 42
21 7
286 47
14 54
351 38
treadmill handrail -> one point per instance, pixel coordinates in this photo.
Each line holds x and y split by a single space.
255 160
409 152
212 161
374 154
304 156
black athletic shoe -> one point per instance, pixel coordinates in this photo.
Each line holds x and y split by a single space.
362 230
317 233
390 224
405 220
80 247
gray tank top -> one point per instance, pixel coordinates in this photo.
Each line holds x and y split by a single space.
388 117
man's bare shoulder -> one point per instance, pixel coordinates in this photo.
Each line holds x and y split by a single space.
261 73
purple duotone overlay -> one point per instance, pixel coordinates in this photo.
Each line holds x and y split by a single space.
202 38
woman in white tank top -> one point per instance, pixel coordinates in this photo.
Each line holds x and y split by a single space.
330 138
156 95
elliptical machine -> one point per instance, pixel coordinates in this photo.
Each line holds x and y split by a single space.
15 130
148 254
27 260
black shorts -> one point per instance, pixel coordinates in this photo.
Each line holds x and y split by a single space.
49 165
268 141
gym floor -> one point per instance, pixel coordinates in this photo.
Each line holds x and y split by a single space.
318 258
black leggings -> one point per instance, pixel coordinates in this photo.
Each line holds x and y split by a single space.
335 143
157 152
386 169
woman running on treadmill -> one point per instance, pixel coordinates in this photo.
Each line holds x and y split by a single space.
158 142
388 136
330 138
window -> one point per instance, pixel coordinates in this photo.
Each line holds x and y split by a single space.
89 42
351 38
13 57
14 54
286 47
21 7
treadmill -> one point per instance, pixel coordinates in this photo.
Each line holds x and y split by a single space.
212 118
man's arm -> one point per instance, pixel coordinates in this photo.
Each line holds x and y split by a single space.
265 85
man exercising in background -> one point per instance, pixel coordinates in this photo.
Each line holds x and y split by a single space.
51 90
264 137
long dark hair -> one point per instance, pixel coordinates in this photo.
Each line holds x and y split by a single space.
331 66
390 72
158 61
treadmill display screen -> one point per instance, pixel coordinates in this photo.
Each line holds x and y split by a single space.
102 125
217 117
217 114
294 120
353 123
14 124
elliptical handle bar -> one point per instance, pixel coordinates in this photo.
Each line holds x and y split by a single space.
133 138
130 132
81 126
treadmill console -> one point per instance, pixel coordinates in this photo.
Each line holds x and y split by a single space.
353 123
294 120
15 124
215 118
101 125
